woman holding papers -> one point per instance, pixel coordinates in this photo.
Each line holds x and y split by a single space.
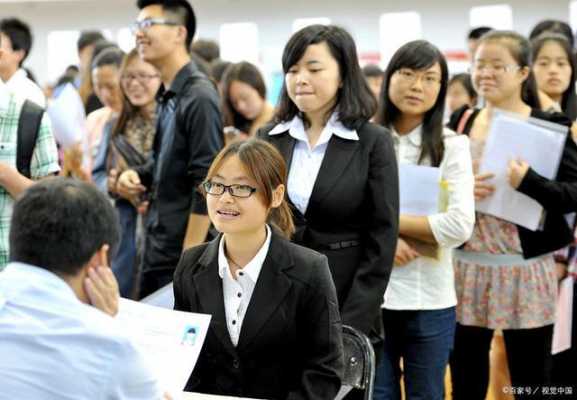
343 179
419 306
275 331
505 274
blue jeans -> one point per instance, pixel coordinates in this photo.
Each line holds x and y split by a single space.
123 265
423 339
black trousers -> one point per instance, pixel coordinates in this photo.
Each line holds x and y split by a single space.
528 354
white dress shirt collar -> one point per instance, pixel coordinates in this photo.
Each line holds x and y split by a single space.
253 268
333 126
414 136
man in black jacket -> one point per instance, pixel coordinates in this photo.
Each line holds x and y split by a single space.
189 135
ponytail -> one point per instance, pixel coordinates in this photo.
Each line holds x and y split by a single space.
282 219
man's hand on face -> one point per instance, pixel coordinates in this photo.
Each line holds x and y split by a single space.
102 289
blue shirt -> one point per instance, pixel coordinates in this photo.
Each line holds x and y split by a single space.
54 347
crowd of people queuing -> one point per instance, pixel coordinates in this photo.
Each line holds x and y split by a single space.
282 221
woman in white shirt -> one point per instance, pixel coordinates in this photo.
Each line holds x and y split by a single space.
419 305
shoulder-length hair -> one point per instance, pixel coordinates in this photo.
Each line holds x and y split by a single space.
569 99
355 103
263 162
418 55
244 72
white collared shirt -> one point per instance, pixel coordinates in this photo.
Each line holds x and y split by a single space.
237 291
426 283
306 161
54 347
25 89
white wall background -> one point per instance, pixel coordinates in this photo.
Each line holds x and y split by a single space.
444 22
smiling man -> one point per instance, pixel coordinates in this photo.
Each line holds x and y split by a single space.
189 135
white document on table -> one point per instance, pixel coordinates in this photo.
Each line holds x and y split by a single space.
419 189
540 144
171 340
68 117
163 297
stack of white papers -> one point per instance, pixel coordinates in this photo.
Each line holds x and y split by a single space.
419 189
537 142
171 340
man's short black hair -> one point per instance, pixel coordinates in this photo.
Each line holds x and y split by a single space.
109 56
88 38
372 71
60 223
180 9
476 33
206 49
19 34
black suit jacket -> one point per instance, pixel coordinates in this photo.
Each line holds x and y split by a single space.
290 344
353 218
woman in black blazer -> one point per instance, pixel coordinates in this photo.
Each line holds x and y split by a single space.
343 183
275 331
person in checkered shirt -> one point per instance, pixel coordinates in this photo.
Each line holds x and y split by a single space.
44 161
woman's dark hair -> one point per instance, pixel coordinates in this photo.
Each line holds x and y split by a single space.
418 55
553 26
520 49
465 80
355 103
218 69
267 167
108 56
244 72
569 99
59 224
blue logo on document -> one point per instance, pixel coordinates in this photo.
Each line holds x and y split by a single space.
189 335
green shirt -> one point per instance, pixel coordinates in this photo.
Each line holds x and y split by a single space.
44 159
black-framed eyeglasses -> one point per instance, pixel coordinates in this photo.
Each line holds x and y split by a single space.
147 23
218 189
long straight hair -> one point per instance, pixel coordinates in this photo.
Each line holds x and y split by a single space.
267 167
128 110
569 98
418 55
249 74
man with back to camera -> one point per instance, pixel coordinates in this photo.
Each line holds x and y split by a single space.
16 42
58 340
189 135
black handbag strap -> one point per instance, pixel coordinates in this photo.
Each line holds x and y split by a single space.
28 127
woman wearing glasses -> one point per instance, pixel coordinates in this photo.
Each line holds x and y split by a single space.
275 331
419 305
343 180
127 142
505 274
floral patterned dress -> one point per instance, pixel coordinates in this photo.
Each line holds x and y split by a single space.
496 287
